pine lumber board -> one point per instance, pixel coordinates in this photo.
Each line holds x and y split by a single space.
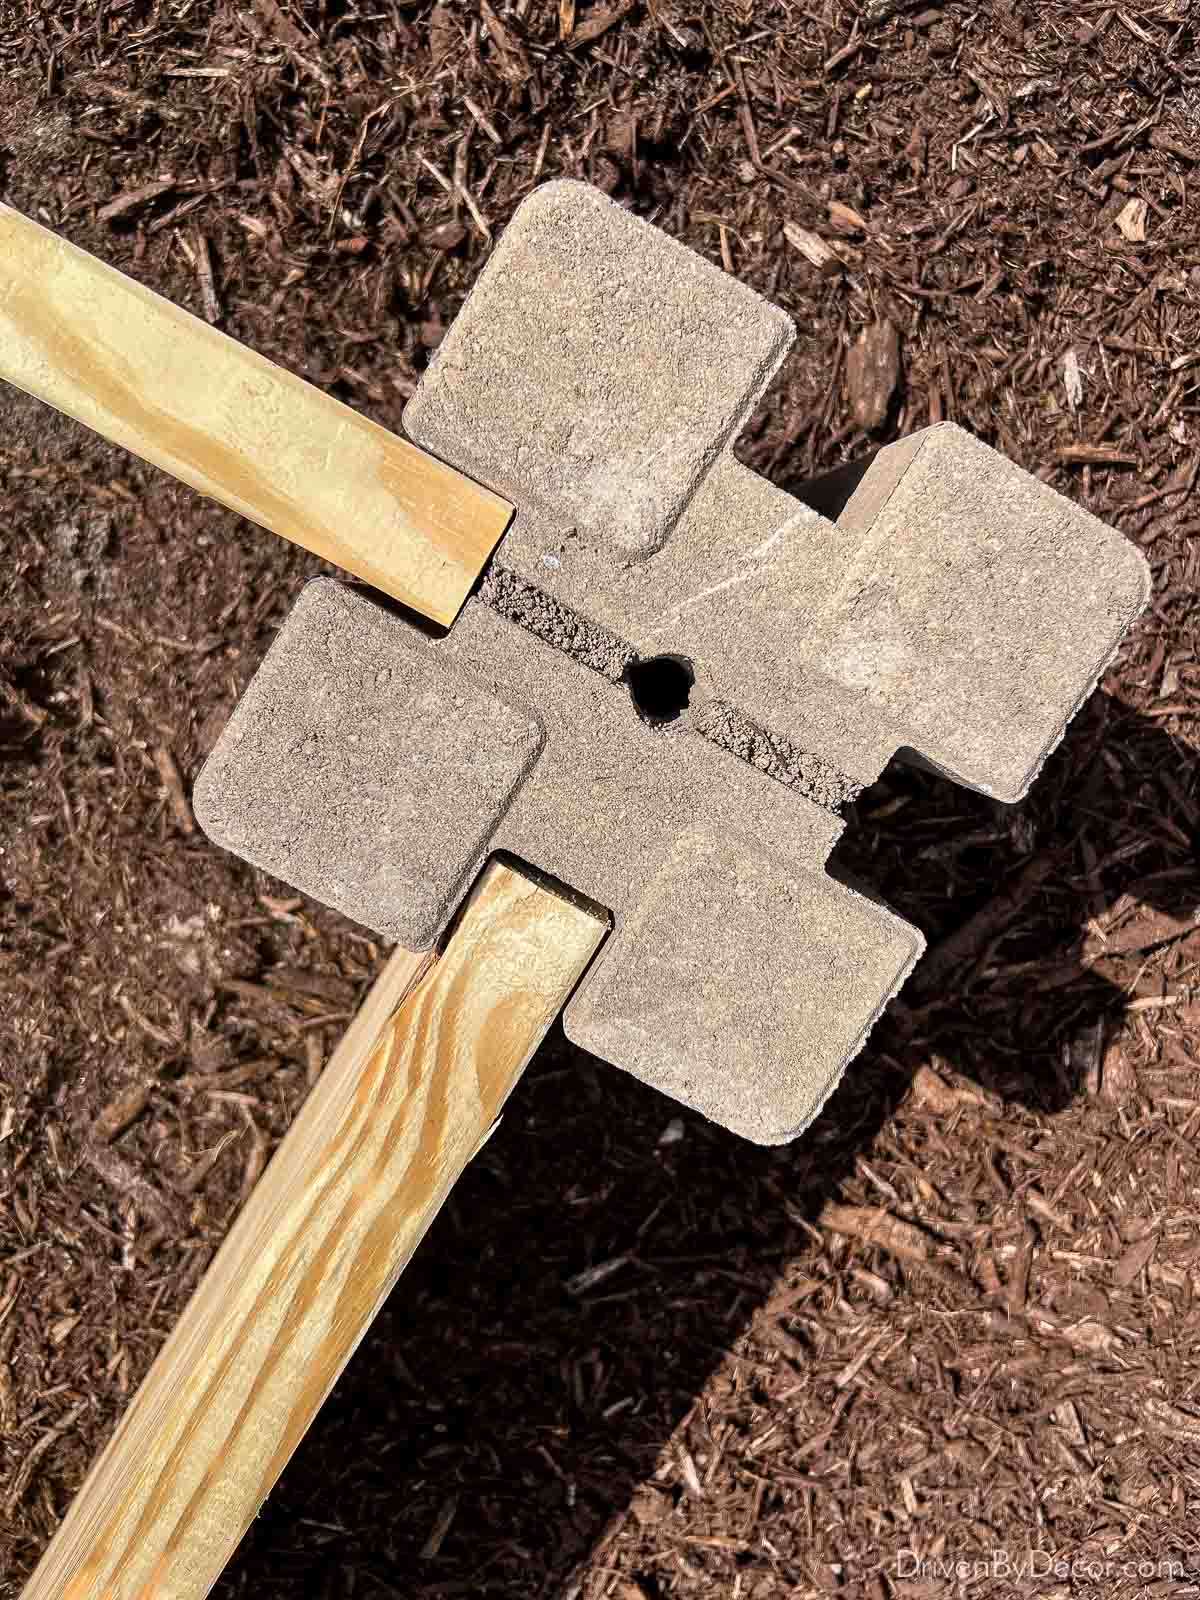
406 1100
166 385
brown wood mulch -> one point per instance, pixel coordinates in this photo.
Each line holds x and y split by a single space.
956 1323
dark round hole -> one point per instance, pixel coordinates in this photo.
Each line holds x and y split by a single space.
660 687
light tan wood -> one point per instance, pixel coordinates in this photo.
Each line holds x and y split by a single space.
150 376
403 1105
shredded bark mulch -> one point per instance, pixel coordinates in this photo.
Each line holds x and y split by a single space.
635 1358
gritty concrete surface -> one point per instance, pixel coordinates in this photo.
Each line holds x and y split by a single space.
980 608
597 369
376 768
793 1005
611 793
958 609
542 614
808 774
738 589
594 647
352 772
735 590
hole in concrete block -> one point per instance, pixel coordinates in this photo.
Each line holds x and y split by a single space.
660 687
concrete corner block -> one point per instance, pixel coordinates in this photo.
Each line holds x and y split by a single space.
958 611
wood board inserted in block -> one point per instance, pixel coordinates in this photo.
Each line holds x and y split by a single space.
405 1102
150 376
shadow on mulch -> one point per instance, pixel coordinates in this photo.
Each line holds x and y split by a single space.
543 1355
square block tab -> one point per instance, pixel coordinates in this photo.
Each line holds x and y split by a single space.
743 984
980 608
597 369
352 771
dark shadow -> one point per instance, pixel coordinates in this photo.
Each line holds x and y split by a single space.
660 687
1014 979
393 607
830 493
586 1277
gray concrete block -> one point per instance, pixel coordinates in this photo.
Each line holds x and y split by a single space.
375 768
959 609
597 369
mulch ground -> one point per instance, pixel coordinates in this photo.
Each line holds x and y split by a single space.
635 1358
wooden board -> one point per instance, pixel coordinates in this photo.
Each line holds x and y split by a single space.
150 376
403 1105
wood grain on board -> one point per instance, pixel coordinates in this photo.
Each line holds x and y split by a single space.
405 1102
151 377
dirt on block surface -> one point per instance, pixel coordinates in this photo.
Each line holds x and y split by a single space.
635 1358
